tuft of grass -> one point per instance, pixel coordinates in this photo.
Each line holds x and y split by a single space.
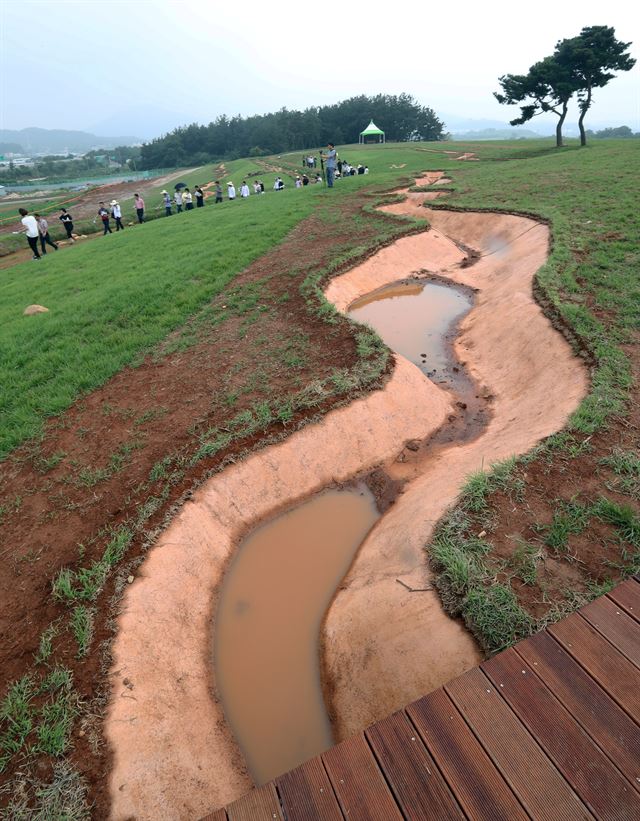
57 714
495 617
622 517
16 718
63 798
570 518
82 627
626 465
524 561
45 647
44 465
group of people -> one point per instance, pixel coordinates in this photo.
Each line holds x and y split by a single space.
36 227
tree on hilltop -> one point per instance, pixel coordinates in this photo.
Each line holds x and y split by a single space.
548 87
591 58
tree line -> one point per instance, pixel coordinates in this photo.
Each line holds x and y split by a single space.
227 138
578 65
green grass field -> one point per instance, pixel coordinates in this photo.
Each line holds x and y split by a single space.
114 299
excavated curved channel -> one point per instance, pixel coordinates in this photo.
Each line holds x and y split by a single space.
285 573
381 645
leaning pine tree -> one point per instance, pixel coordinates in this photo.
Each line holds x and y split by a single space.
590 59
547 87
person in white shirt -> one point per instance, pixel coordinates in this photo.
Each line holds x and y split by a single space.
187 198
178 198
298 181
231 191
116 213
256 188
31 230
244 189
278 185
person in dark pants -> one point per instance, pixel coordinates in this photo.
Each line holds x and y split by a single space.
199 193
166 199
31 230
116 213
218 191
67 221
43 229
330 164
139 203
187 198
104 216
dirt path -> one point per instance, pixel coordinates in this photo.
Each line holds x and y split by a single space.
383 646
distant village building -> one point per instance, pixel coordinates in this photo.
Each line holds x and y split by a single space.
371 134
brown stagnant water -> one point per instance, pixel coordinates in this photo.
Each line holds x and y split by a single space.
267 631
285 573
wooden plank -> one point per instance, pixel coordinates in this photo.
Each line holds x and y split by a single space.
261 804
474 780
306 793
598 783
531 775
614 624
601 660
627 596
608 725
217 815
358 783
413 776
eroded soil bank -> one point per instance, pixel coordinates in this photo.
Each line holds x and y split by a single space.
383 645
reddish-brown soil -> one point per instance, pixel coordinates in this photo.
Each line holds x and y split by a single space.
61 517
596 555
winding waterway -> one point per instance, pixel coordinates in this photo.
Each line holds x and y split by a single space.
285 573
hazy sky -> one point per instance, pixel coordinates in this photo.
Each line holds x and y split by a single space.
118 66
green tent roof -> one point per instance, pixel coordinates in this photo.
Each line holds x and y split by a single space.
372 128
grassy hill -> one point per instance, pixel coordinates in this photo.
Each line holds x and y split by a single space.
177 347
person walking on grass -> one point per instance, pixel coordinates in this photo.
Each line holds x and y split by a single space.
218 191
166 201
43 229
199 196
244 190
67 220
187 198
178 200
31 230
116 213
139 203
104 216
231 191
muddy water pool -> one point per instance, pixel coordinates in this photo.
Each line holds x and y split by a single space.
286 572
417 320
272 604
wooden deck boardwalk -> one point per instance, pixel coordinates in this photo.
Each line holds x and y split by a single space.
549 729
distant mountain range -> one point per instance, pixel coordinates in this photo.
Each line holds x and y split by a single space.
55 141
